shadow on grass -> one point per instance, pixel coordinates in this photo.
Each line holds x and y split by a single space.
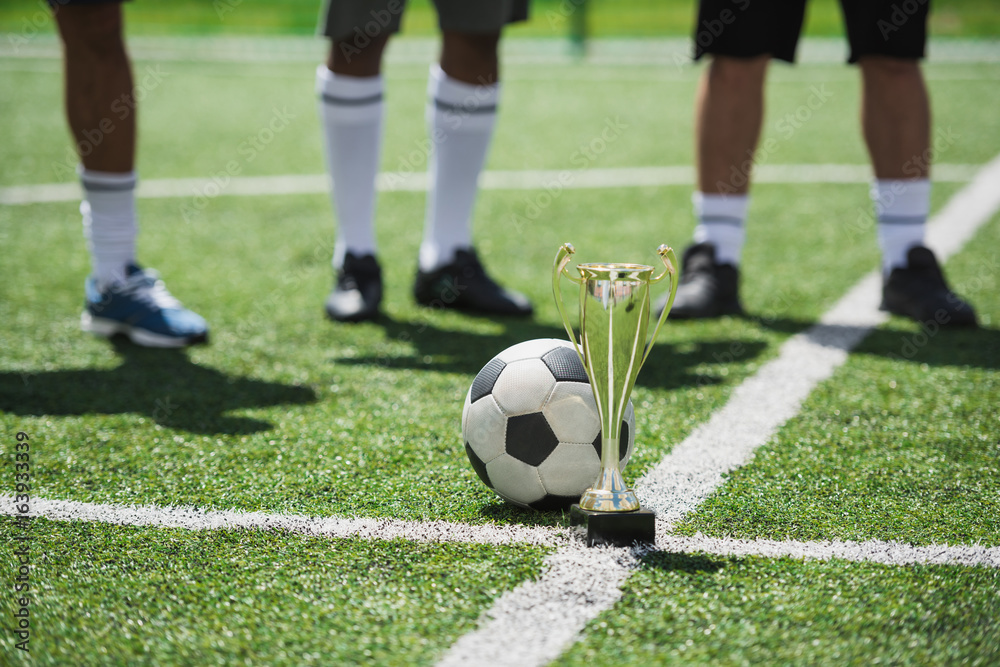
164 385
904 341
455 351
979 348
669 561
504 513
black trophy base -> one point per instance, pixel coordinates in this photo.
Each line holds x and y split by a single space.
620 529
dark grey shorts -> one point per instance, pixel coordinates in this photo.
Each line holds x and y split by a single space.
348 18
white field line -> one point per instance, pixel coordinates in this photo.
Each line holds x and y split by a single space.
249 186
522 630
190 518
871 551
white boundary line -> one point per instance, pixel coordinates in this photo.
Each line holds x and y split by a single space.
871 551
191 518
518 630
297 184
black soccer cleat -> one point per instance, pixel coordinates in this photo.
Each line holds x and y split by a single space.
707 289
464 285
358 292
919 291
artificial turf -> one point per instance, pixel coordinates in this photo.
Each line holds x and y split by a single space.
287 412
696 609
107 595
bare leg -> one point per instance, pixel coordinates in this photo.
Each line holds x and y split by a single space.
729 113
364 64
895 117
471 57
97 74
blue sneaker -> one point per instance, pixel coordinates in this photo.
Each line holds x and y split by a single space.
142 309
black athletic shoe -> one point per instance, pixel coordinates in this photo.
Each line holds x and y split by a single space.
707 289
358 292
464 285
920 292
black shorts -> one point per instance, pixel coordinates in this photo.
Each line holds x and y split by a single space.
749 28
346 18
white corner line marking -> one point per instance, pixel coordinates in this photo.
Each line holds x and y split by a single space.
521 630
194 519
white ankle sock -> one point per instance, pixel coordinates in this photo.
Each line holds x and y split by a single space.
109 225
721 221
902 207
351 110
460 119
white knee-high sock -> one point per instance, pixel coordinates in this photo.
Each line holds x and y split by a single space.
109 224
460 119
351 111
721 221
902 207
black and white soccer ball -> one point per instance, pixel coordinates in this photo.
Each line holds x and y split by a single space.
531 427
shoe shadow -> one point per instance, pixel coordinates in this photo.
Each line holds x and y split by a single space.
161 384
978 348
455 351
919 343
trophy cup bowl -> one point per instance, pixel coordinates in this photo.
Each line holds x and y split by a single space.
614 321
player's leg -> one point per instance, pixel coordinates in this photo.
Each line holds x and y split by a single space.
120 296
741 39
895 117
463 94
350 88
728 116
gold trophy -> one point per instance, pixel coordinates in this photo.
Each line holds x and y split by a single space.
614 319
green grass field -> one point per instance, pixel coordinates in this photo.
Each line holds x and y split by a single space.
287 413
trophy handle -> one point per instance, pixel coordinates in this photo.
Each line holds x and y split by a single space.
559 269
666 254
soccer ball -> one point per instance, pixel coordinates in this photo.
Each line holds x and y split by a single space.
531 427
